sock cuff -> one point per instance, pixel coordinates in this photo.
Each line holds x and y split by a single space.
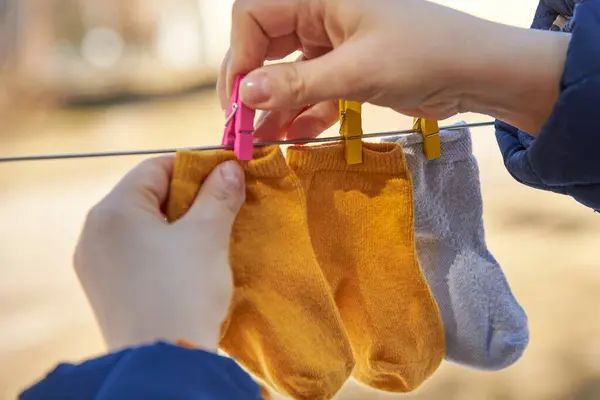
456 144
382 158
194 166
267 162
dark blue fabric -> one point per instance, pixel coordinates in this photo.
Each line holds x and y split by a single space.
513 145
544 16
563 158
154 372
548 10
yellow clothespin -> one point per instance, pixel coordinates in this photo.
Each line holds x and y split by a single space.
430 131
351 126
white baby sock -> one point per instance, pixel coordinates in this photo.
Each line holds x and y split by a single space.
485 326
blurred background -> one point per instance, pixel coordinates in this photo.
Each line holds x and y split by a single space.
85 75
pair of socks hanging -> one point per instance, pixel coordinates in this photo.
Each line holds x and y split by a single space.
485 326
327 281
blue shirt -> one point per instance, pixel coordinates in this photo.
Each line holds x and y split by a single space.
159 371
564 158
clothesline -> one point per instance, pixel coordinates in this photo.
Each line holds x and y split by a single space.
64 156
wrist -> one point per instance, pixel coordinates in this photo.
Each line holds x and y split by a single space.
513 74
203 330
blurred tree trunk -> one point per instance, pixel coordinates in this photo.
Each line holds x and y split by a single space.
37 35
25 50
8 46
138 19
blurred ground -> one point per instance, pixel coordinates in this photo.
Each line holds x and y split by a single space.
547 244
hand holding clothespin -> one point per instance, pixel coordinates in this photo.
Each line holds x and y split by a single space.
430 131
351 127
239 126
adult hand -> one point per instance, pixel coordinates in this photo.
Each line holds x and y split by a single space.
414 56
150 280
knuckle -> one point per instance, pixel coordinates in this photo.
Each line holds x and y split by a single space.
240 7
220 193
105 217
76 259
220 204
150 163
296 85
321 125
215 213
198 226
233 207
221 79
103 225
226 207
329 115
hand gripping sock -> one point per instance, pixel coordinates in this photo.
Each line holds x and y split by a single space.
360 219
485 326
283 325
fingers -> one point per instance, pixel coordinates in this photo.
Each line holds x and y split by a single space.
222 92
282 47
305 123
335 75
314 121
147 185
268 29
220 199
273 125
278 48
249 40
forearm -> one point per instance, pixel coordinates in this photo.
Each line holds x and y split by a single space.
203 331
513 74
563 157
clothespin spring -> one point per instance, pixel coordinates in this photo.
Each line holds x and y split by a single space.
234 108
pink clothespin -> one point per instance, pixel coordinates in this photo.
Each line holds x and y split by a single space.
239 127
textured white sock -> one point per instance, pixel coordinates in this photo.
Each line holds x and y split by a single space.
486 328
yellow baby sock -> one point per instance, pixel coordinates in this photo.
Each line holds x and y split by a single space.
361 224
283 325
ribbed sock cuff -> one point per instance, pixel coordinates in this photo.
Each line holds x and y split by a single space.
456 144
267 162
381 158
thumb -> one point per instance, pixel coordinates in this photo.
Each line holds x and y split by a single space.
335 75
220 198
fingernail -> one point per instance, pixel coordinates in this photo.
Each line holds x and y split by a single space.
255 89
232 174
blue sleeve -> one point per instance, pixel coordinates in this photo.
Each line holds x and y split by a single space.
513 146
157 371
544 16
565 156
